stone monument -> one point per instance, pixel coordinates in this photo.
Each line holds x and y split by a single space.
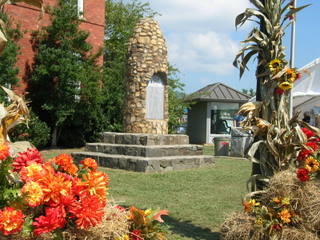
146 106
146 145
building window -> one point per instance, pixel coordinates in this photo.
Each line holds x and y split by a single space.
222 121
78 90
155 98
80 5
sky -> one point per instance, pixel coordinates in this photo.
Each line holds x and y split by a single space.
202 40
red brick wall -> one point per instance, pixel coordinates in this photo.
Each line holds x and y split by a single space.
29 20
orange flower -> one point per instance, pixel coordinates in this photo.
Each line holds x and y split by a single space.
65 162
33 172
249 204
11 220
311 164
89 163
56 188
285 216
4 151
291 75
276 200
88 211
34 193
95 183
138 216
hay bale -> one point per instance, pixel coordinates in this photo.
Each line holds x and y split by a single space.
240 226
114 225
305 197
297 234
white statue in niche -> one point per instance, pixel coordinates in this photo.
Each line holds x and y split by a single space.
155 98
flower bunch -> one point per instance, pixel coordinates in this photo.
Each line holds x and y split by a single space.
307 160
54 194
144 224
283 75
273 215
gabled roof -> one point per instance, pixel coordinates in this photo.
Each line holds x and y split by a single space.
218 92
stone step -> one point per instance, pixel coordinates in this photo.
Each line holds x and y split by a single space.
143 164
144 139
145 151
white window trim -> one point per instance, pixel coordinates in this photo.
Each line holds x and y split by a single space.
80 6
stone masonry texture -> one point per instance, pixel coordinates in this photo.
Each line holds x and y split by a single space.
147 56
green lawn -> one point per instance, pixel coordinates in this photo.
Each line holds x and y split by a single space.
198 200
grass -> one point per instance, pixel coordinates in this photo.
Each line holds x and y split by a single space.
198 200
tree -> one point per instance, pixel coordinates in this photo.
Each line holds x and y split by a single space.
251 92
176 95
65 80
121 19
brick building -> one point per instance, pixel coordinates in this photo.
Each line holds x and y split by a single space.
29 18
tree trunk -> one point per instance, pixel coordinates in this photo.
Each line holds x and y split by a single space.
54 137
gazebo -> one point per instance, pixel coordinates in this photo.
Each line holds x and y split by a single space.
212 112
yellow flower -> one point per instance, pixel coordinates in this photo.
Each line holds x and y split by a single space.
147 212
125 237
34 193
275 65
285 86
291 75
285 201
311 164
259 221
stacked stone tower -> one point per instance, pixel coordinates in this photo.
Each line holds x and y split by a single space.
147 60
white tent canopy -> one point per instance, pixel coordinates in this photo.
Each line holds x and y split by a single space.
306 91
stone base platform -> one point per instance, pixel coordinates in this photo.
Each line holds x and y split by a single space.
145 152
146 164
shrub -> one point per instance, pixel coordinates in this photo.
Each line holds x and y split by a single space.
36 132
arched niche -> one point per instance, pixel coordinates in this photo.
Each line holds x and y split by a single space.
155 97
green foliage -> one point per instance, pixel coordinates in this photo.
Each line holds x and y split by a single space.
251 92
65 82
177 106
9 188
121 19
8 57
37 132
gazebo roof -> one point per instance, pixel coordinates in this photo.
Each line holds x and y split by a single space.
218 92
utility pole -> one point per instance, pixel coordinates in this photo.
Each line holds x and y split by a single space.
292 53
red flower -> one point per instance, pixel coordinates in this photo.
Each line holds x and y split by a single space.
299 75
54 218
279 91
11 220
303 154
303 174
277 227
88 211
312 145
24 159
122 209
308 132
135 235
